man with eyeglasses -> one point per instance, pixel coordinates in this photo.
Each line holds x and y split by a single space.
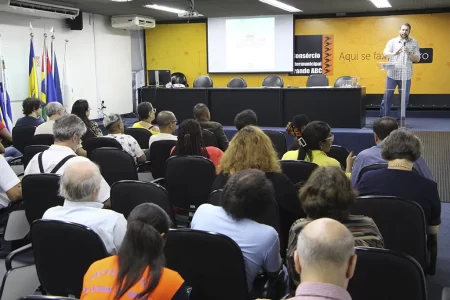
167 123
55 110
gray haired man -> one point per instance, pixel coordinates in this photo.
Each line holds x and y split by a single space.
54 111
80 186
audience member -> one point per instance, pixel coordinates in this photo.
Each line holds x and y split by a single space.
315 143
114 124
296 128
10 186
137 271
202 115
382 127
329 194
5 144
167 123
67 131
32 109
246 198
245 118
146 114
82 109
54 110
326 260
402 149
80 185
190 142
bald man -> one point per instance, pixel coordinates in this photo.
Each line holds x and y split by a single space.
167 123
79 186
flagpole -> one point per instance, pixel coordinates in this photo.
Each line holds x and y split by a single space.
52 49
64 70
44 62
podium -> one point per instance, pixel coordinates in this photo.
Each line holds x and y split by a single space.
402 66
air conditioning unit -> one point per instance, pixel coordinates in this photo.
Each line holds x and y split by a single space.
132 22
39 9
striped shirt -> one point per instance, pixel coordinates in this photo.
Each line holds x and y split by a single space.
393 46
364 230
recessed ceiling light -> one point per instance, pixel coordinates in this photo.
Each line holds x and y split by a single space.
165 8
121 0
281 5
381 3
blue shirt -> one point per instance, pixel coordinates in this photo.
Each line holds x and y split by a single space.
27 120
372 156
258 242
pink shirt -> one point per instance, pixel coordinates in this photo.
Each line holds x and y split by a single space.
320 291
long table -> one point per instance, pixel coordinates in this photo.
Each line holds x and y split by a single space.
339 107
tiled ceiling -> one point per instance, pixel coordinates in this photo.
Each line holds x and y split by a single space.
229 8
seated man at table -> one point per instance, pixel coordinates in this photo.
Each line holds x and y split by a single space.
203 116
245 118
167 123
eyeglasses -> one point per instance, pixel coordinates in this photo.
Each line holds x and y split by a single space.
331 139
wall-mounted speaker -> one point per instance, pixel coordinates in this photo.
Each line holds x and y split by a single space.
77 23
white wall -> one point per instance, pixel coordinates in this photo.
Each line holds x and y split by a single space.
113 57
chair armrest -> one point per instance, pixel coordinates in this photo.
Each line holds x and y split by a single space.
275 287
143 165
13 254
432 245
446 293
160 181
16 160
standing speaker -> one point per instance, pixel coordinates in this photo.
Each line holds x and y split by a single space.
77 23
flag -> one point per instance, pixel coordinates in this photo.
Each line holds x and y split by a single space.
58 92
67 87
33 86
48 92
5 100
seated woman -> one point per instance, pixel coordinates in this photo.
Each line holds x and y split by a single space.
146 114
315 143
190 142
82 109
32 109
401 149
296 128
246 198
137 271
328 193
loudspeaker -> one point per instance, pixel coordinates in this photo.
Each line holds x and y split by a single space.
77 23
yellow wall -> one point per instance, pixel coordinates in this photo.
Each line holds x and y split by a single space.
182 48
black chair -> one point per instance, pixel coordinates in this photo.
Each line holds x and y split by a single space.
340 154
159 153
401 223
212 264
298 171
215 198
30 152
203 82
63 253
237 82
43 139
273 81
371 168
40 192
340 80
178 78
317 80
141 135
278 140
22 136
100 142
209 138
385 274
127 194
115 164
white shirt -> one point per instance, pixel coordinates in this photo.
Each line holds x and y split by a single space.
8 179
161 137
45 128
129 144
109 225
53 156
393 46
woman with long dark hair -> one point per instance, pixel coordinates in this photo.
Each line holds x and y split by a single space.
190 142
81 109
137 272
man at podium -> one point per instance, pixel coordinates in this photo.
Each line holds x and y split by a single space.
403 50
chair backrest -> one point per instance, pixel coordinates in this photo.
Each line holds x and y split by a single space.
203 82
341 80
189 180
317 80
209 138
386 274
401 223
159 153
278 140
40 192
141 135
100 142
297 170
215 198
63 252
178 78
43 139
115 164
237 82
22 136
273 81
211 263
30 151
127 194
371 168
340 154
